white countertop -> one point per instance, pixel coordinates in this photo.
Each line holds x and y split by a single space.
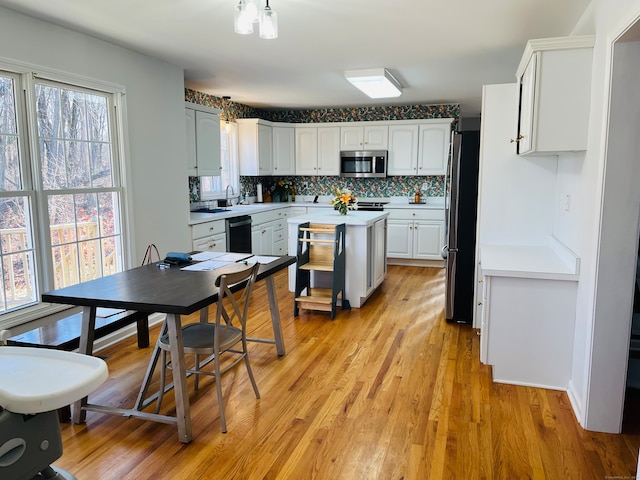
333 217
307 201
543 262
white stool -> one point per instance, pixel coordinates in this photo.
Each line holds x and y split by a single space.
34 384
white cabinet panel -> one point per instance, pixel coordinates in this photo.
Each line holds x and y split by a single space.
428 240
433 149
203 141
255 147
317 150
403 150
555 89
369 137
284 150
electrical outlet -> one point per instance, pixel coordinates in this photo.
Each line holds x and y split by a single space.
305 185
424 187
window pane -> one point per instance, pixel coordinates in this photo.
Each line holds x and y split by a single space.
17 254
112 255
109 210
10 178
74 118
65 265
75 139
90 260
87 215
62 219
78 165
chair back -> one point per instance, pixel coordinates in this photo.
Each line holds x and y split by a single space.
237 306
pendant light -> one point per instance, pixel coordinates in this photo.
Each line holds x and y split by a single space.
245 15
268 23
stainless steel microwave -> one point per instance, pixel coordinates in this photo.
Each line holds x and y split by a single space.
363 163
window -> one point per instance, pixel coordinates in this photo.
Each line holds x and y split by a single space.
215 187
60 190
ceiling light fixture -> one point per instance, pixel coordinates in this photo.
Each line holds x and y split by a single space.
246 14
225 113
375 82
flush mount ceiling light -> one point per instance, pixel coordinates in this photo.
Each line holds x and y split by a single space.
247 13
375 82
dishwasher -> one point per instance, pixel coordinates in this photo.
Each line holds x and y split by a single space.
239 234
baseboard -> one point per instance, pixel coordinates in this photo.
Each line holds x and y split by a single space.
126 332
576 403
414 262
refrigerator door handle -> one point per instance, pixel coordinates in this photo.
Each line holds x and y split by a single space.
444 252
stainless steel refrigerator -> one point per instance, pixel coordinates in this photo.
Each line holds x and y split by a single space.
461 199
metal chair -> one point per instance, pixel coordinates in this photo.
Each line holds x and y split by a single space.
218 339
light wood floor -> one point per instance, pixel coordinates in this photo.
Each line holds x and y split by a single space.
388 391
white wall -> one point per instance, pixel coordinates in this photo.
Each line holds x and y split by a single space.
517 194
157 179
604 230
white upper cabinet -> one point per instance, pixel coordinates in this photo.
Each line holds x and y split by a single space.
370 137
203 140
255 147
420 148
284 150
403 150
433 148
317 150
554 77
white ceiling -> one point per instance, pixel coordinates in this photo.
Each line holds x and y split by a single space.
441 51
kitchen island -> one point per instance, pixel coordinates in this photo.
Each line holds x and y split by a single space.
365 245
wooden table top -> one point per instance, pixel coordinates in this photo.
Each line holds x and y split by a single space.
152 289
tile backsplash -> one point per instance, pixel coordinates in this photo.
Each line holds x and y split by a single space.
311 185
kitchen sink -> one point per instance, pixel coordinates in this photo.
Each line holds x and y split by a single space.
211 210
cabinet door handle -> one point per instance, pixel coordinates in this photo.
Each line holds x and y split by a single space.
481 281
516 140
479 303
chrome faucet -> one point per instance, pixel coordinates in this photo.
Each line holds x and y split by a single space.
226 193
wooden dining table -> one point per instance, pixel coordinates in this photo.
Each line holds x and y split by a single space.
172 291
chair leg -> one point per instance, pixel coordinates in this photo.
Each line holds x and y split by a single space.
163 380
249 371
223 421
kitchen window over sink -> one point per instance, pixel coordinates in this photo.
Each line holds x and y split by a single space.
212 188
61 194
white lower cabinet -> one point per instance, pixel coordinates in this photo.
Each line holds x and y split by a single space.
269 232
415 234
209 236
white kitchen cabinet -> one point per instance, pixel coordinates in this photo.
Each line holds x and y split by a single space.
209 236
419 149
317 150
403 149
255 147
555 87
367 137
415 234
269 232
283 150
203 140
529 308
433 148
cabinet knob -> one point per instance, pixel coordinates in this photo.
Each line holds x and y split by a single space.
520 137
481 281
479 303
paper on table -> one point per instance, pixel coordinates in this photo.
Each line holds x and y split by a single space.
206 265
261 259
233 257
202 256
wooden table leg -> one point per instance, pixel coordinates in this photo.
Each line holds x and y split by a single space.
183 413
86 346
275 315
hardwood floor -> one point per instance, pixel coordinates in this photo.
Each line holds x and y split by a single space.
388 391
